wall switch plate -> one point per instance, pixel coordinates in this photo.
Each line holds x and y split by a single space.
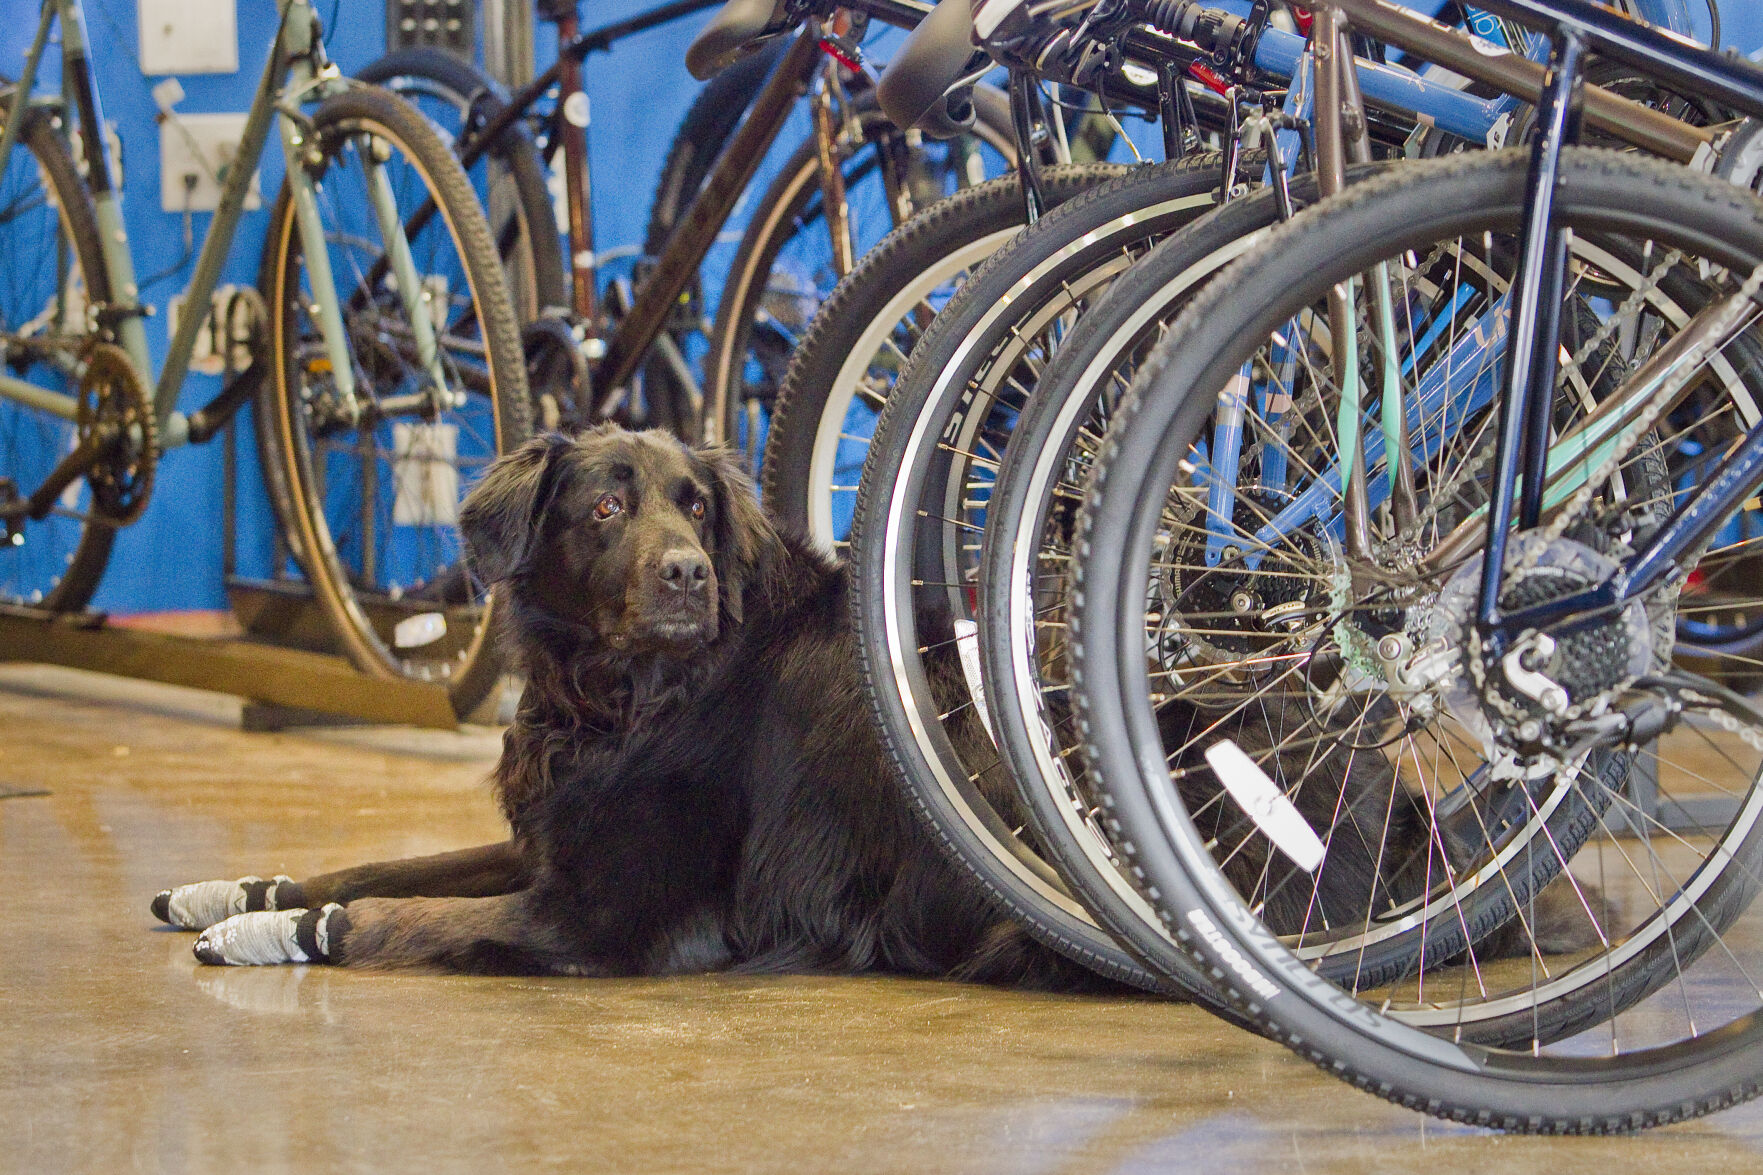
200 145
189 36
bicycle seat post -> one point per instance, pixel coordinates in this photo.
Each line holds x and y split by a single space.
570 124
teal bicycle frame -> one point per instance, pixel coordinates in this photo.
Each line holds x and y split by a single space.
296 74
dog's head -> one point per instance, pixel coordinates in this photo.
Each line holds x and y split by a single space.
635 537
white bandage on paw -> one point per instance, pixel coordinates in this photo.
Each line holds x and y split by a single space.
262 938
268 937
201 905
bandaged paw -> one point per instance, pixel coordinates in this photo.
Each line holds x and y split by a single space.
267 937
199 906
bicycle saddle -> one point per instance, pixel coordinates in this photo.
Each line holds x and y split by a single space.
737 27
914 89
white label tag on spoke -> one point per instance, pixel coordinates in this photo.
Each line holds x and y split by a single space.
425 475
1266 805
967 642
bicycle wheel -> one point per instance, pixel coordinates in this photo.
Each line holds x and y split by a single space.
1025 551
1026 579
922 503
369 500
842 372
54 276
1632 1004
784 271
509 180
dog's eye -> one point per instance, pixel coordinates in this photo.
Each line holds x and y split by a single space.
698 507
607 506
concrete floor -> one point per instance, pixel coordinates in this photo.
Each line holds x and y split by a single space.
118 1053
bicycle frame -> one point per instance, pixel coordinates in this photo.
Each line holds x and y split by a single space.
1340 100
641 326
1521 448
296 72
1531 474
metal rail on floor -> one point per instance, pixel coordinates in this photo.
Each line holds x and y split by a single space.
289 679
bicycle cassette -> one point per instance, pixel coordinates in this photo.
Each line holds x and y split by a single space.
1548 679
116 413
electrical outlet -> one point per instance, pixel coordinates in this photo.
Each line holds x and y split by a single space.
447 24
202 146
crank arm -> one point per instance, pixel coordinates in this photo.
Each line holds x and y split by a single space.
70 469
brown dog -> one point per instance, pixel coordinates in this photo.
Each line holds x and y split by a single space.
692 780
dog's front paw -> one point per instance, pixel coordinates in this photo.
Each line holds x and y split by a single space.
266 937
201 905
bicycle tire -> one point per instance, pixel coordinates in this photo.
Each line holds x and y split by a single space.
714 114
776 221
1017 608
1565 824
533 231
910 573
706 126
82 557
294 486
1142 296
820 384
1527 1090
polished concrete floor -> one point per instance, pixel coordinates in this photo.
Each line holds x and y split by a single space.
118 1053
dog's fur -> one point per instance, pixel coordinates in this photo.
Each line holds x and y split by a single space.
692 781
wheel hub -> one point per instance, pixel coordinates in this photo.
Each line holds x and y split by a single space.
1226 613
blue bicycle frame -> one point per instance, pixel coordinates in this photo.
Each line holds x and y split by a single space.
1484 120
1523 328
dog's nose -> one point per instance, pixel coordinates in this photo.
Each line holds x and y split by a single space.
684 570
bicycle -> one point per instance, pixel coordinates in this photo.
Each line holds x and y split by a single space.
811 474
1078 359
1540 651
387 370
631 355
932 482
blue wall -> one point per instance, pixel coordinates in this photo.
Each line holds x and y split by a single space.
639 91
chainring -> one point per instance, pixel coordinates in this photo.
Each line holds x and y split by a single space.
116 413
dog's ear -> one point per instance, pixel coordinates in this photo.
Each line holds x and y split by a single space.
744 536
502 513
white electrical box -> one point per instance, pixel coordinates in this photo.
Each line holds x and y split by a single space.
189 36
208 357
202 146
